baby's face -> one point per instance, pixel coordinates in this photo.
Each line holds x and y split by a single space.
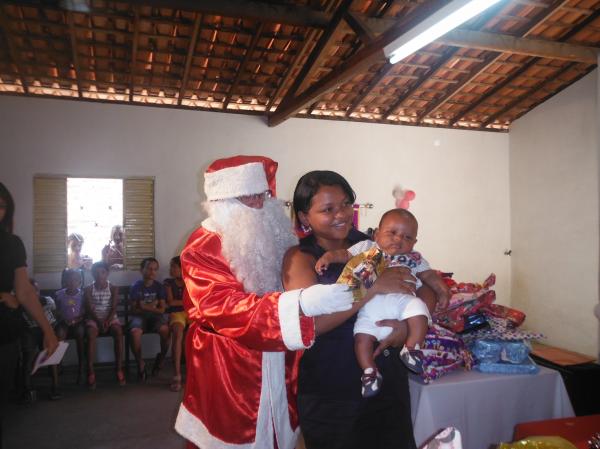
397 235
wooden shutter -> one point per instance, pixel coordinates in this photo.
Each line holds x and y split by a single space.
50 224
138 220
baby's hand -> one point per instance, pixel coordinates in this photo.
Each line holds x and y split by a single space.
443 300
322 264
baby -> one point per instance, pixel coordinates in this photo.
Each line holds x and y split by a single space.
393 247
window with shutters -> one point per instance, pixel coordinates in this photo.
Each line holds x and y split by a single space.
90 207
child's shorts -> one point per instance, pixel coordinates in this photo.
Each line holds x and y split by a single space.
73 330
114 322
179 318
148 323
395 306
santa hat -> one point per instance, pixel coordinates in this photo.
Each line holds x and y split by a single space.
239 176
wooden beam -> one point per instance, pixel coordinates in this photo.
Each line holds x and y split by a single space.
136 33
243 64
522 46
523 69
520 98
356 23
366 34
369 87
318 51
441 62
291 68
74 53
357 63
189 57
536 21
247 9
12 50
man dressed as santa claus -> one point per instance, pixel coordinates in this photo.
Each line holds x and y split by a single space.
244 344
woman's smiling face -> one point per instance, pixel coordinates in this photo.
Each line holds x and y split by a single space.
330 214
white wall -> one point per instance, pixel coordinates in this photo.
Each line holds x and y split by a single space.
460 178
555 227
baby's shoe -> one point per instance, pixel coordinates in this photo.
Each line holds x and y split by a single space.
412 359
371 382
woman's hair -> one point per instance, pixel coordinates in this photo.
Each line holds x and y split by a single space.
68 273
309 184
7 221
146 261
74 237
176 260
99 265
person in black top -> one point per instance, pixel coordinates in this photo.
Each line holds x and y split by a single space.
332 413
15 290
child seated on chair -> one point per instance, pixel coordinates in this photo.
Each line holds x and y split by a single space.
101 307
178 319
148 306
70 312
393 247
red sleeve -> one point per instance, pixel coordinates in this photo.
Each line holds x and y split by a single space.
216 299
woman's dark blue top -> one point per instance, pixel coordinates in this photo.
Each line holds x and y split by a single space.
329 368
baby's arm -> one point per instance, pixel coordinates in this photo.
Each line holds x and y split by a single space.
333 256
437 284
342 255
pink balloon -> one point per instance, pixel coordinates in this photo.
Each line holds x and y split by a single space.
409 195
404 204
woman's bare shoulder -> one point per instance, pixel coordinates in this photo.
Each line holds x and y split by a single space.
296 255
298 269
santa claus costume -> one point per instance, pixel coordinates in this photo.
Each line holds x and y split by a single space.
242 348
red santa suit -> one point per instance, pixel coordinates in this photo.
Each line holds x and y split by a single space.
241 355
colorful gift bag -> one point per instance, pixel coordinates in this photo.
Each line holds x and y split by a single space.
443 351
454 317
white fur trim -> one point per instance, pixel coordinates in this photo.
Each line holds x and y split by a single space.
274 373
233 182
272 413
209 225
194 430
289 320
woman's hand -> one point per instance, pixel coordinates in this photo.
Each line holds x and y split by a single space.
50 342
396 339
9 300
394 280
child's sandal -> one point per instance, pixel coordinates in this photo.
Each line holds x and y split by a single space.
142 375
176 384
371 382
121 378
158 364
412 359
91 381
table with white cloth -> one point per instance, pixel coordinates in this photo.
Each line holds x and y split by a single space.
486 407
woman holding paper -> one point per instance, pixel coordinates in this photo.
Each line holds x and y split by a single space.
15 290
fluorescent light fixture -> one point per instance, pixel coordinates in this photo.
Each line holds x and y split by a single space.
439 23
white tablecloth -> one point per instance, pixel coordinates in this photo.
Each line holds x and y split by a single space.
486 407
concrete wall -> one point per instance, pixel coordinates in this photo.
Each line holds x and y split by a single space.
460 178
554 209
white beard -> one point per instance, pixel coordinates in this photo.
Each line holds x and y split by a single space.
254 241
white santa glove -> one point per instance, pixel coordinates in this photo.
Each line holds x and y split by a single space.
322 299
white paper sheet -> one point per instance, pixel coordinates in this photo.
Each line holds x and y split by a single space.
43 359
